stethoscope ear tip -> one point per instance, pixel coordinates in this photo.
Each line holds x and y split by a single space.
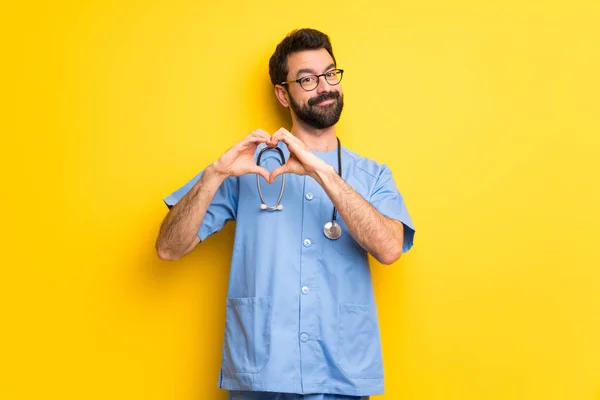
263 206
280 207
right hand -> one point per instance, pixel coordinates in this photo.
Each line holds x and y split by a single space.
239 160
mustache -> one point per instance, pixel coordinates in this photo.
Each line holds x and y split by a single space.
323 97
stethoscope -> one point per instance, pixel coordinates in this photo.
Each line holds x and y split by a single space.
332 229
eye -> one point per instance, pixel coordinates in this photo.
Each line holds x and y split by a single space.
330 74
307 79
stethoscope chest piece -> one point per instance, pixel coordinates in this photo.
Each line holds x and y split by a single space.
332 230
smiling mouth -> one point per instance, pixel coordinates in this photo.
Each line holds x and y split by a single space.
325 102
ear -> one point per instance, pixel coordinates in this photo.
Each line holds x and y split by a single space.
282 95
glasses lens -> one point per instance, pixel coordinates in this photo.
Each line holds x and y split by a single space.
309 82
334 77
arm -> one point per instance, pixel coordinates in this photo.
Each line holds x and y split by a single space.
379 235
179 230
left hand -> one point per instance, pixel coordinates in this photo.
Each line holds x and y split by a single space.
301 160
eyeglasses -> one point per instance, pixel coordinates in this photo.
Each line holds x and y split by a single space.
310 82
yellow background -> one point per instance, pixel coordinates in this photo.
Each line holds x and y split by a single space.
487 112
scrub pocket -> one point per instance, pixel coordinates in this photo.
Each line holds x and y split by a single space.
247 342
359 348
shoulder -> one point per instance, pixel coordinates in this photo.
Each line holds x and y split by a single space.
366 167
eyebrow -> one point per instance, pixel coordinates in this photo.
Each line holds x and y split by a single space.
312 71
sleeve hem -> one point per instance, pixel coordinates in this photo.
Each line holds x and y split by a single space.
409 232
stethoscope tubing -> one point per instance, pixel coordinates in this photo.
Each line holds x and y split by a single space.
332 228
263 205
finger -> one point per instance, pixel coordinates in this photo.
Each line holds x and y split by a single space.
284 169
280 134
295 145
260 133
290 139
272 144
252 139
257 136
256 139
282 131
287 135
261 171
275 139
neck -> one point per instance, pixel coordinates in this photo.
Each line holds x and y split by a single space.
315 139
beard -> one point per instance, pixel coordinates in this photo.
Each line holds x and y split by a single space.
319 117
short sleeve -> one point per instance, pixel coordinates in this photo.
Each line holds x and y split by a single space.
389 202
223 207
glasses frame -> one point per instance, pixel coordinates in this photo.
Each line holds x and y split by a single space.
324 75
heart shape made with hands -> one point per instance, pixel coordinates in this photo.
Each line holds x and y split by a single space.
301 160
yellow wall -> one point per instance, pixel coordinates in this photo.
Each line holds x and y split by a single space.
487 112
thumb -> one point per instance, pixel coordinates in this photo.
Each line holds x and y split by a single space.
260 171
278 171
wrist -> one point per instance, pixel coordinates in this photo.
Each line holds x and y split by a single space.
324 174
213 173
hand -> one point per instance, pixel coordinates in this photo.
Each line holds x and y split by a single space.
239 160
301 160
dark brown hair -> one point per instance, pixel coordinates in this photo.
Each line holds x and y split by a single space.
297 40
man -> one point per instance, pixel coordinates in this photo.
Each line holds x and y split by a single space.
301 318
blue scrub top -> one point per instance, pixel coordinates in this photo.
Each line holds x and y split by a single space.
300 312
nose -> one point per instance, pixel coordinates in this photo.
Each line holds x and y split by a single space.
323 85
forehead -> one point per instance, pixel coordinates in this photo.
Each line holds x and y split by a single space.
316 60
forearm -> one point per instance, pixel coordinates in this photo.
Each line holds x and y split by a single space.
178 232
379 235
